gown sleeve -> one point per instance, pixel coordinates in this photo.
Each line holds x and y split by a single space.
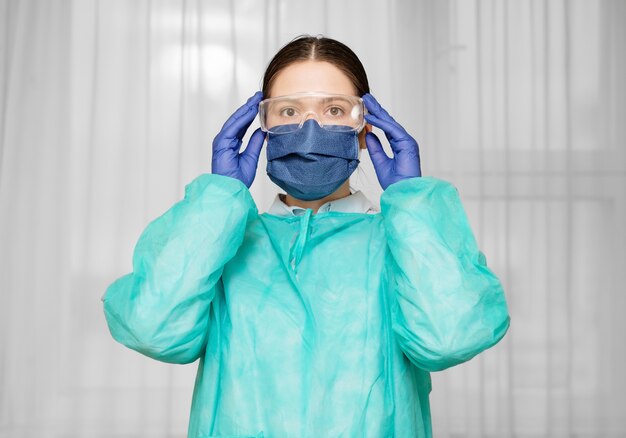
448 306
161 309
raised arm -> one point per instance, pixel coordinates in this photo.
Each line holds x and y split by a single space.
449 306
161 309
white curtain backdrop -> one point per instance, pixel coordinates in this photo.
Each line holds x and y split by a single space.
108 108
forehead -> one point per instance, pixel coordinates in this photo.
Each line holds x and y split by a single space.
306 76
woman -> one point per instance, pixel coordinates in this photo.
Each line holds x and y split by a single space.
322 317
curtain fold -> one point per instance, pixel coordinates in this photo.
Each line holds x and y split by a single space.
107 109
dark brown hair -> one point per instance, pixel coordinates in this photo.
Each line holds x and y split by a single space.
318 48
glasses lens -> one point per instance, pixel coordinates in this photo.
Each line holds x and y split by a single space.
333 112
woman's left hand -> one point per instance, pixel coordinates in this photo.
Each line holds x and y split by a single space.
405 162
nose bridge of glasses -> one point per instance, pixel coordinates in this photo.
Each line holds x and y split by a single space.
311 115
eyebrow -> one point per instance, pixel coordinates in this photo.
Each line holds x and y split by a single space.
285 100
324 100
332 99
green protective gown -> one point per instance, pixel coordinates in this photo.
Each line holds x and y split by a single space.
321 325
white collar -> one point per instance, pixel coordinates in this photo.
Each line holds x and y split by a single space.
353 203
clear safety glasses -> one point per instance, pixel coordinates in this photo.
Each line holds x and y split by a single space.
335 112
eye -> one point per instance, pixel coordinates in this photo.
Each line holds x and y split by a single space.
288 112
335 111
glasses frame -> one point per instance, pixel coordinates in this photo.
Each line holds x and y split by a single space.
264 102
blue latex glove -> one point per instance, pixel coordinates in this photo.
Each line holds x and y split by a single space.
226 159
405 162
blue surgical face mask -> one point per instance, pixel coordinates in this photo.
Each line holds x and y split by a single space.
312 162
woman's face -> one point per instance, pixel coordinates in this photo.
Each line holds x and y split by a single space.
304 76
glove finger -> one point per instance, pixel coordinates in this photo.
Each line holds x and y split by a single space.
252 101
232 137
375 108
225 159
222 144
392 129
250 157
238 123
377 153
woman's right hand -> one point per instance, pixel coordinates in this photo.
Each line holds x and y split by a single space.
226 158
